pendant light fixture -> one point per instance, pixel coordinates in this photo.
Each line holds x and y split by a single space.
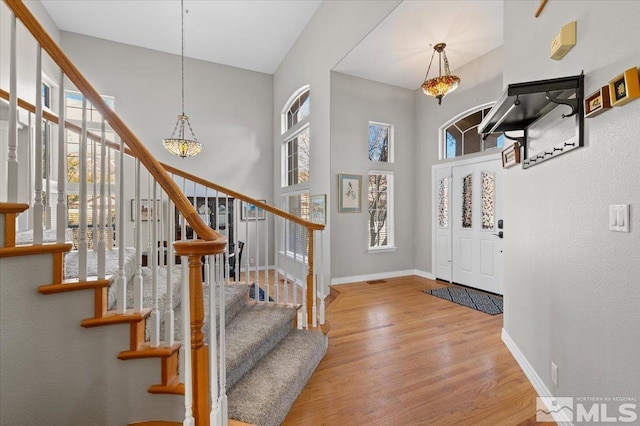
180 143
440 86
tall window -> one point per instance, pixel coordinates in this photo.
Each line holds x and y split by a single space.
380 142
74 114
296 139
380 209
460 136
296 238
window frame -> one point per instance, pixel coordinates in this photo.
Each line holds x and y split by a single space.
390 220
390 142
286 171
292 132
442 134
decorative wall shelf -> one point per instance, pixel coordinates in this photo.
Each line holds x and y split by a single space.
522 104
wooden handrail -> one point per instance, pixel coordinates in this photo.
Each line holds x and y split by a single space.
135 145
307 224
170 169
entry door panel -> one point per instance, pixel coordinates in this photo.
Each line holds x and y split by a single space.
476 207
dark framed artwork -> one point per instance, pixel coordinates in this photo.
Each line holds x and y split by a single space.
511 155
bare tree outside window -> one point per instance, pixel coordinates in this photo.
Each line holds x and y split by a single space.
379 142
380 186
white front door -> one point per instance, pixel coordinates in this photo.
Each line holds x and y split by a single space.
469 201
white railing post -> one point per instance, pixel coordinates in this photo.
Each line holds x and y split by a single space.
12 154
169 337
323 289
109 223
38 206
137 278
152 255
215 418
61 207
186 345
82 197
101 218
224 411
94 193
121 280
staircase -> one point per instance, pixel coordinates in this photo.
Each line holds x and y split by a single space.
60 355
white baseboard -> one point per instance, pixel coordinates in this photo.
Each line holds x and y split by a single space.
536 381
425 274
379 276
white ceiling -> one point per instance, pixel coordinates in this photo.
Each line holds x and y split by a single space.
399 49
257 34
250 34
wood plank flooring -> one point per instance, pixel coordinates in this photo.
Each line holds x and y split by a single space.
398 356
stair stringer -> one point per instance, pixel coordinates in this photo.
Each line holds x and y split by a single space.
56 372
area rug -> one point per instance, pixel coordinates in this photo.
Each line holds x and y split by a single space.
488 303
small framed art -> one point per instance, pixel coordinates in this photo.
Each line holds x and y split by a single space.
319 209
252 212
146 209
625 87
597 102
349 193
511 155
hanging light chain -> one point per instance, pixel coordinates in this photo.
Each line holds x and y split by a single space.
182 48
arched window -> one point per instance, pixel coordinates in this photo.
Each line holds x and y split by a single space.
460 135
296 139
296 159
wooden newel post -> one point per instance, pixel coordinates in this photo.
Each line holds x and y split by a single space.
195 249
310 292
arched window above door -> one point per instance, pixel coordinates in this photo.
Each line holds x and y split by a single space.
460 136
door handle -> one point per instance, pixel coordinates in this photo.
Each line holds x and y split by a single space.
499 234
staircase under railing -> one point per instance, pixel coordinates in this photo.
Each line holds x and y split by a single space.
185 218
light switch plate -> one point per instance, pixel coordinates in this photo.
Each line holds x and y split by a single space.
619 217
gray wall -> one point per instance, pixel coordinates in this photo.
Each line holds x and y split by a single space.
333 30
481 82
571 285
355 102
230 110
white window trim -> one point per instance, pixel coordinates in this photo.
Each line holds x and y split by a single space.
391 141
390 247
285 110
442 141
299 258
283 156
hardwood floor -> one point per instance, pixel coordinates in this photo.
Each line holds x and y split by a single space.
398 356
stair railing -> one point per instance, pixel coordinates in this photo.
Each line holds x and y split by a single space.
267 240
211 242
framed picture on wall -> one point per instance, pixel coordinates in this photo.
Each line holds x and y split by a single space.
146 209
349 193
511 155
252 212
319 209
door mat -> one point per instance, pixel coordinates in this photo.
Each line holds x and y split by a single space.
488 303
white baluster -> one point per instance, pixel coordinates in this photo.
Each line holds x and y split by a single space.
256 277
154 327
246 244
94 200
286 261
82 198
276 255
213 342
265 229
12 154
169 337
47 172
207 276
194 236
323 289
61 206
294 262
38 206
101 218
224 412
183 222
109 223
186 345
121 280
137 278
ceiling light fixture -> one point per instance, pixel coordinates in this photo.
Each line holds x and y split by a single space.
440 86
179 143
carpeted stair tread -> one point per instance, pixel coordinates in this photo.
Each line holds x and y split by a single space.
265 395
255 331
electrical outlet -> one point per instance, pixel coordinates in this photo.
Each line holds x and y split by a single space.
554 374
